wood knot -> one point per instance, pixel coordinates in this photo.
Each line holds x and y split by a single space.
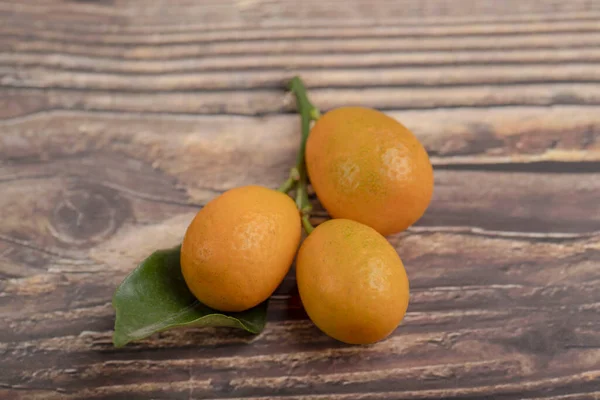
88 213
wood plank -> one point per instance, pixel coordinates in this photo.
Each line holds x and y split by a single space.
521 301
484 30
308 46
197 154
163 11
316 21
77 296
275 61
579 97
355 78
452 136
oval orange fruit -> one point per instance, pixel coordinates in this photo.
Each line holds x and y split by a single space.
239 247
352 282
366 166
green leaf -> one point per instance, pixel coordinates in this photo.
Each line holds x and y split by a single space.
155 297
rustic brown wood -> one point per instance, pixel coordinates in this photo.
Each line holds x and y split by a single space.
120 119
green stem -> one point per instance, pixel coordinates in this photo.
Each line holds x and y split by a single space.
307 225
308 112
287 185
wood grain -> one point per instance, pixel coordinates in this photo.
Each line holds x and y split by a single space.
120 119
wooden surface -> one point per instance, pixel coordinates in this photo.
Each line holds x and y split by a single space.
119 119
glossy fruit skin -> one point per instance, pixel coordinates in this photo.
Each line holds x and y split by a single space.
352 282
368 167
240 246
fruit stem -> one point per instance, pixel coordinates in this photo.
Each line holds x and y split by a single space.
308 112
307 225
287 185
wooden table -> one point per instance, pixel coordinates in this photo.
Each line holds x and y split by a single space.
120 119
